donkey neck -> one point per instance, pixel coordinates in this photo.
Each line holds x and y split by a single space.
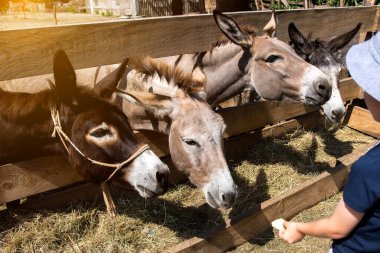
26 125
226 68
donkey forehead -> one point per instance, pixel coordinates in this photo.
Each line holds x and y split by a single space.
100 115
321 56
200 119
266 45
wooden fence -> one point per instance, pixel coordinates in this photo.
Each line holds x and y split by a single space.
29 52
154 8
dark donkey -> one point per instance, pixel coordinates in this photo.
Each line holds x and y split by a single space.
99 141
323 55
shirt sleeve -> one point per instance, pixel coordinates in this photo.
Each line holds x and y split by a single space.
360 192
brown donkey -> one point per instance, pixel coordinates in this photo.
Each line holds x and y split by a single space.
162 98
99 141
242 60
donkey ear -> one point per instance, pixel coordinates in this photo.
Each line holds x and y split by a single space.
160 106
105 87
342 40
65 78
229 28
271 26
301 44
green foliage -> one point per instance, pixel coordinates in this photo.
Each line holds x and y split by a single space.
107 13
280 6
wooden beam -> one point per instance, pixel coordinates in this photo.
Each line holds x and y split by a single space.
245 227
103 43
252 116
22 179
376 21
361 120
237 145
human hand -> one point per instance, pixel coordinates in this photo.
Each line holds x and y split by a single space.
291 234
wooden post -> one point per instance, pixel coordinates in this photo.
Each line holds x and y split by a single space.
55 12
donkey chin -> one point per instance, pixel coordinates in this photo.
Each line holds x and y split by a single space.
221 191
148 175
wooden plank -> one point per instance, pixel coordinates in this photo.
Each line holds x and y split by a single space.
376 22
243 228
361 120
251 116
237 145
103 43
62 197
22 179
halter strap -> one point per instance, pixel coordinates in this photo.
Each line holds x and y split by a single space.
64 138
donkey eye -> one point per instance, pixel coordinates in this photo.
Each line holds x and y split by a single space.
100 132
273 58
191 142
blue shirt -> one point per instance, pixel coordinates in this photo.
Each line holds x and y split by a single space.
362 194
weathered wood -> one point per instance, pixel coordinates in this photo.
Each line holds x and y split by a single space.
22 179
376 21
256 115
103 43
63 197
243 228
361 120
237 145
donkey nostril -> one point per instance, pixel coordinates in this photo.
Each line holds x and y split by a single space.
162 178
338 113
228 197
322 87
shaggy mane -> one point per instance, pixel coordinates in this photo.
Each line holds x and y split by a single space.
149 67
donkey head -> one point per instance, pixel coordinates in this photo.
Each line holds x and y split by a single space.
322 54
195 130
102 132
274 70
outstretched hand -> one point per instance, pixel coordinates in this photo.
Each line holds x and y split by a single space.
291 234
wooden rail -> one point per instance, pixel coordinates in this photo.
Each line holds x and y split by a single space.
29 52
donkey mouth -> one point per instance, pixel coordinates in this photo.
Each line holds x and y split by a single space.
211 200
145 192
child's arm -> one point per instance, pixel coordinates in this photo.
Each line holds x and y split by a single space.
338 225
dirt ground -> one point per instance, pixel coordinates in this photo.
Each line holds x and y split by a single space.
34 20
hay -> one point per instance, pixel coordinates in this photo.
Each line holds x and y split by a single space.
266 170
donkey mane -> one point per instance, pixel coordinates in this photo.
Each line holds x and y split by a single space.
223 40
17 106
174 76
